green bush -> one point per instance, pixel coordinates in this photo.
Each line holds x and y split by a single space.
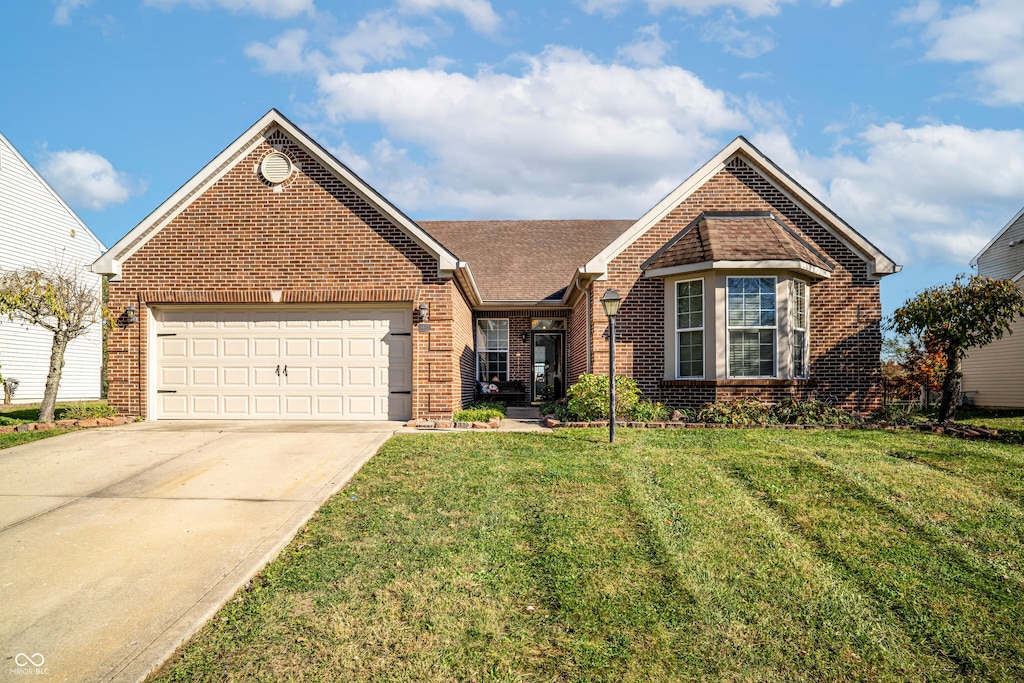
650 411
743 411
791 411
895 413
481 411
588 398
84 411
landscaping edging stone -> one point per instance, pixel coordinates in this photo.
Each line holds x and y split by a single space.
84 423
493 423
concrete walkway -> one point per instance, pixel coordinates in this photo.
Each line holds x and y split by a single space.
117 544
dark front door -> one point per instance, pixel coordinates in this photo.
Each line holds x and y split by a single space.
548 366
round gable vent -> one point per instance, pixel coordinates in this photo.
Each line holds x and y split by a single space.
276 167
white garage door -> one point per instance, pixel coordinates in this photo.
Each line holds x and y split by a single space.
284 363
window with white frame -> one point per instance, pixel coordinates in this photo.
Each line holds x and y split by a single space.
799 307
752 323
690 329
492 349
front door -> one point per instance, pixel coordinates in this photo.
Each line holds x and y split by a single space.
548 366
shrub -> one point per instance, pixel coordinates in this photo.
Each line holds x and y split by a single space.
894 413
791 411
84 411
588 398
650 411
742 411
480 411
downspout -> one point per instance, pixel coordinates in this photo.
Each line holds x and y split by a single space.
590 309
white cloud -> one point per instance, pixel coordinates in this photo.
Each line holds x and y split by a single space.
927 194
566 136
286 55
277 9
479 13
87 179
735 40
648 49
377 38
753 8
62 15
989 34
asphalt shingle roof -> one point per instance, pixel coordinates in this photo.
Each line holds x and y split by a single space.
736 237
525 260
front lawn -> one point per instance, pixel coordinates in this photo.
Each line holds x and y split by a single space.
670 556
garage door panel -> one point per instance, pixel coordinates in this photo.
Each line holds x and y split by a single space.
236 406
298 348
173 376
205 405
263 347
359 348
234 377
204 347
172 347
298 376
312 363
205 377
234 348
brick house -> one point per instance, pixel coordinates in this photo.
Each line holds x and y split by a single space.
278 284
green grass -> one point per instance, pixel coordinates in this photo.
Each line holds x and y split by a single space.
672 555
1009 422
18 438
29 412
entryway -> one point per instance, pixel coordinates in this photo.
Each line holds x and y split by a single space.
548 360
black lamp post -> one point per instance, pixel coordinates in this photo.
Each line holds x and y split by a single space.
610 301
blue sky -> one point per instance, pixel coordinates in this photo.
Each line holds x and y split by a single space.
903 116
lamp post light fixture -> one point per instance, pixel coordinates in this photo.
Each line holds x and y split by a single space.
610 302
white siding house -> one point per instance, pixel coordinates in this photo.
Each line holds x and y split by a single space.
37 229
994 374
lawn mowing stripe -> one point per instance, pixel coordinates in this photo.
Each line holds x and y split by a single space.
913 577
767 607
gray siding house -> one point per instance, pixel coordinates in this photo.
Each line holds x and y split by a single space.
994 374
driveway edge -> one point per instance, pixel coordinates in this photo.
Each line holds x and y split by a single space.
137 667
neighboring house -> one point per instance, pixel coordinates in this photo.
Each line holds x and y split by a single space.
278 284
37 229
992 374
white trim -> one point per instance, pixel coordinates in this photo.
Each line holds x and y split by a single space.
52 192
737 265
806 329
1016 217
110 263
703 327
775 329
880 264
1018 277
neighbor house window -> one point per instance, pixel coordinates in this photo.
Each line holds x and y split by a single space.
751 317
690 328
799 308
492 349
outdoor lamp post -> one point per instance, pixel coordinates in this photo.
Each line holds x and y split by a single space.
610 302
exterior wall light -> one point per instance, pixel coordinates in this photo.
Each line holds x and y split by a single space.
610 302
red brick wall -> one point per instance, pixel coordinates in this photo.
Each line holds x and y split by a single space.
845 310
316 240
577 342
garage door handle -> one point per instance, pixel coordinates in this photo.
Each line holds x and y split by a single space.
286 371
278 371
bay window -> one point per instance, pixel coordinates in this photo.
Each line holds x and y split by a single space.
752 326
690 328
799 307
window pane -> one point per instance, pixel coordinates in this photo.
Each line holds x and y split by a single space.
799 304
751 353
492 335
689 304
799 353
751 302
691 354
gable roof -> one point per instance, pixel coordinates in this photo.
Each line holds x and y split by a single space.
726 239
41 192
878 263
110 262
525 261
1013 221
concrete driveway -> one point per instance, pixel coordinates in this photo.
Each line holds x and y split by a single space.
116 544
